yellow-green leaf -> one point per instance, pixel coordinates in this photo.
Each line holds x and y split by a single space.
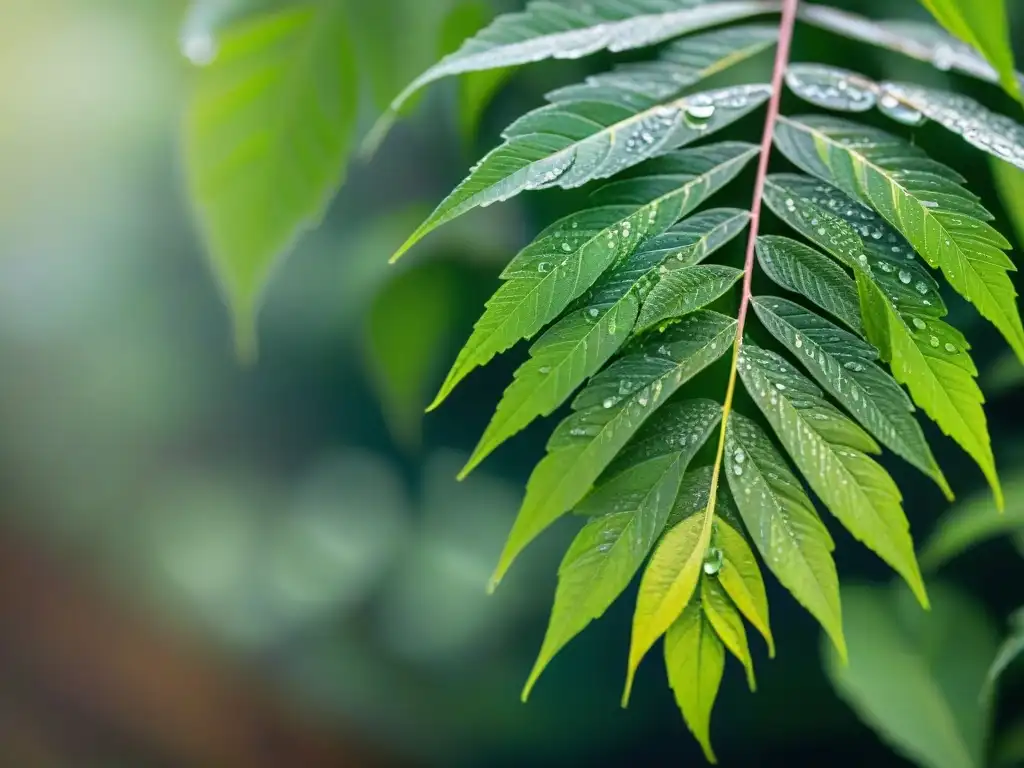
695 661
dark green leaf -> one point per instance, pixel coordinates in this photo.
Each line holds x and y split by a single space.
568 257
917 677
629 511
902 304
577 346
781 519
801 269
607 414
922 199
683 291
831 453
845 366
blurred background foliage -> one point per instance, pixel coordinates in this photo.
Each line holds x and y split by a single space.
205 564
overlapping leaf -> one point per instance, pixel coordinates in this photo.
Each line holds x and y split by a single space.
986 28
728 624
630 507
686 290
669 583
801 269
782 521
695 661
845 366
568 257
578 345
610 123
607 414
831 453
921 41
922 199
840 89
990 132
832 87
902 303
549 30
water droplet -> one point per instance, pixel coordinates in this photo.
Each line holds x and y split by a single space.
920 324
905 277
698 114
892 107
199 47
934 341
566 247
713 560
609 402
544 267
949 347
544 370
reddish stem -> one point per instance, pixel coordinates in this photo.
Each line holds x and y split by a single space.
789 8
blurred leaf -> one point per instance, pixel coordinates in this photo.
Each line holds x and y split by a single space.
1011 649
973 521
395 41
476 89
916 677
267 133
986 27
407 329
1009 181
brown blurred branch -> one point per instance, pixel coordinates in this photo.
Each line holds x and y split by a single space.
112 673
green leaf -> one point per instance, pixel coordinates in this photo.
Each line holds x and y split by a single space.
668 585
739 573
973 522
845 366
630 509
989 131
919 197
831 453
476 90
1011 649
741 579
547 30
595 133
568 257
903 304
985 27
695 661
577 346
1010 186
683 291
267 134
728 624
832 87
606 415
801 269
793 541
917 677
922 41
396 39
403 357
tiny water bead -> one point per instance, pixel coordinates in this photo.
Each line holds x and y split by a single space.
920 324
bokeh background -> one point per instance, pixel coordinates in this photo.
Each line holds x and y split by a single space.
204 564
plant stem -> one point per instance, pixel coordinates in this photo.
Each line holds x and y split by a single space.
789 9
